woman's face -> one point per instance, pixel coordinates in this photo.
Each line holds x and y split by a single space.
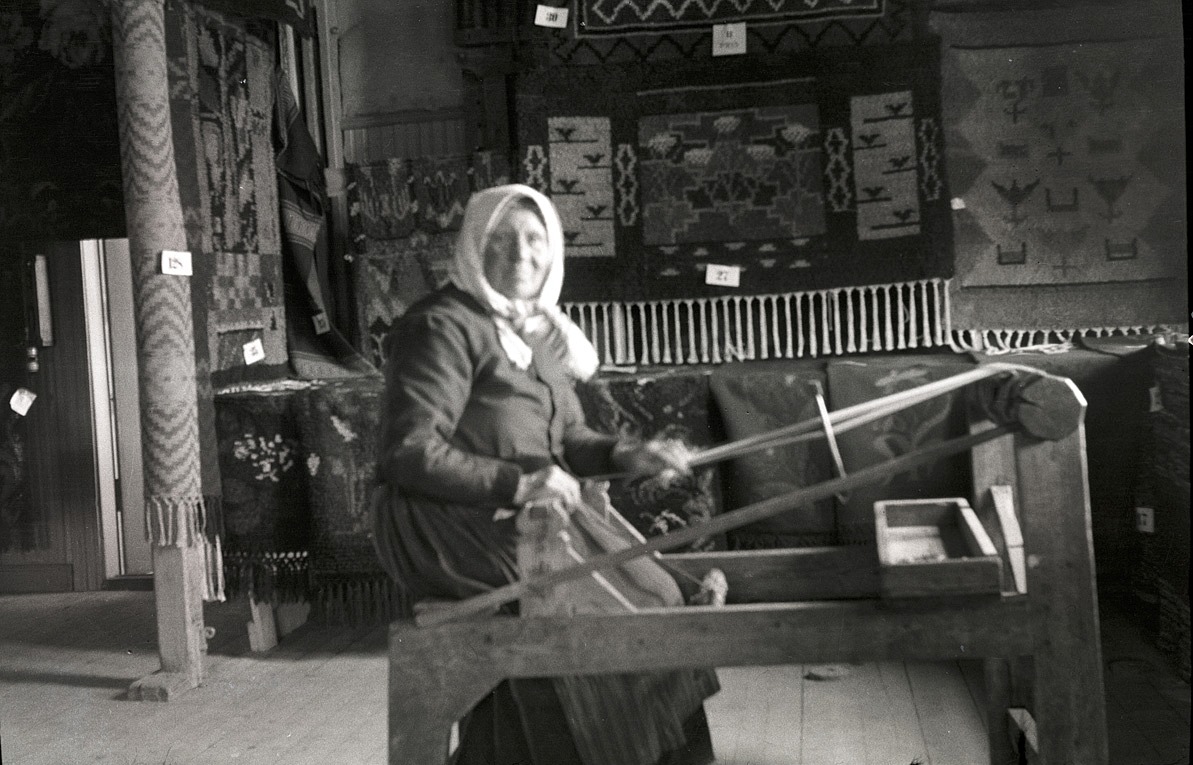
516 256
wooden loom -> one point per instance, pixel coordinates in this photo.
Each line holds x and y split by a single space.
1039 634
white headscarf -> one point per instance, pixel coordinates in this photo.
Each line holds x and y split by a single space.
485 210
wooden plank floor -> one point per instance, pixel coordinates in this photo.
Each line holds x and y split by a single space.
66 660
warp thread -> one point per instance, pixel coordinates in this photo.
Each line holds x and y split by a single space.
713 330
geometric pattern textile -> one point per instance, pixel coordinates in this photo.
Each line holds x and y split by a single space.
1066 194
619 31
826 177
1073 217
226 73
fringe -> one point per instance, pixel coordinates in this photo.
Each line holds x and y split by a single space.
213 563
359 601
175 521
715 330
993 342
269 577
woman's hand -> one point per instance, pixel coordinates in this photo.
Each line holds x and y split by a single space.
551 484
652 457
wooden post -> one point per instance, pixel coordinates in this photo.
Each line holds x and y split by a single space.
1069 704
166 346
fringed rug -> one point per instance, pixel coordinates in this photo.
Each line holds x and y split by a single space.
823 190
340 428
670 406
917 427
266 500
754 401
608 31
1068 169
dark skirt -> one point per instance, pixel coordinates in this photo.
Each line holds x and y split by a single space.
437 550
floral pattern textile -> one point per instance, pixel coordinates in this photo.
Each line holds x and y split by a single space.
265 493
339 428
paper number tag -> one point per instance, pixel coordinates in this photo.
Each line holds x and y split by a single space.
176 263
22 399
723 276
254 351
1157 403
729 39
322 325
546 16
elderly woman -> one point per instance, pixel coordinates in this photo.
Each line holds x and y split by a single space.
480 420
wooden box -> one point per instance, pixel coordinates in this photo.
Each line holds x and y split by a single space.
934 547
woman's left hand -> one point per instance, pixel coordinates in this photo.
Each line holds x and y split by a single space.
652 457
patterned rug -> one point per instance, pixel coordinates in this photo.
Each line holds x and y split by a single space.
827 178
266 494
227 72
671 406
759 401
1073 229
609 31
390 277
1060 145
936 420
339 427
395 198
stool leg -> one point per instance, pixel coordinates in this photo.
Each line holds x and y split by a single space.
432 683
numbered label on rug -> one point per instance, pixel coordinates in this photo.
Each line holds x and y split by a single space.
322 325
723 276
546 16
254 351
22 399
176 263
729 39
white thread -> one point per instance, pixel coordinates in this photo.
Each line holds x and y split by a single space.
702 306
813 320
912 320
837 322
737 326
799 322
900 321
850 345
925 314
693 357
890 335
619 325
774 325
605 331
655 348
750 328
716 329
826 316
787 309
863 337
665 331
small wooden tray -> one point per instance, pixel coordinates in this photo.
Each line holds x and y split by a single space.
934 547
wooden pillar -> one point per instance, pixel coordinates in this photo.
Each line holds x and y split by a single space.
165 346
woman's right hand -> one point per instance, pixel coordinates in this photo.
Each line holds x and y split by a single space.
548 485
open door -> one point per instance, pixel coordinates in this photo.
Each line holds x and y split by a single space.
73 516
